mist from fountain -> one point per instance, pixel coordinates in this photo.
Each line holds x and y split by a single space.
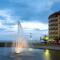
20 44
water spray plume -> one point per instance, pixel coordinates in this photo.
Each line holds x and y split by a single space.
21 42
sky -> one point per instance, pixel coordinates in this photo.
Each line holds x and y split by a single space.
32 14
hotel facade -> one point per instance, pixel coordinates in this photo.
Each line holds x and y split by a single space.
54 26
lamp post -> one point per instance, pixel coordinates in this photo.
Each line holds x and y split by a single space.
30 36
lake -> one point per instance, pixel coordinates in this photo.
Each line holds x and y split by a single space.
32 54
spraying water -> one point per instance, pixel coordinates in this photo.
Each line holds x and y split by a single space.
20 43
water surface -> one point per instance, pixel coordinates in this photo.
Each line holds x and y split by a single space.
31 54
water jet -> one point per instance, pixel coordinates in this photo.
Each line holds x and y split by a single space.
20 44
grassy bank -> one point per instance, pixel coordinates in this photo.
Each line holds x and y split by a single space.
34 45
5 44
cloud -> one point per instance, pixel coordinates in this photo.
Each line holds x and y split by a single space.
33 14
30 9
9 23
34 25
27 25
6 20
33 9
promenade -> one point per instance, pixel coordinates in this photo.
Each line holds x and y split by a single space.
47 46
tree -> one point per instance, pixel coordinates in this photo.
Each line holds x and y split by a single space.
45 38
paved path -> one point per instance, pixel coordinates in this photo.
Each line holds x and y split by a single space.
57 47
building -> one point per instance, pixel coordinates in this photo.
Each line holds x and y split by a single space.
54 26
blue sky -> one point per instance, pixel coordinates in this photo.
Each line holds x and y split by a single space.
33 14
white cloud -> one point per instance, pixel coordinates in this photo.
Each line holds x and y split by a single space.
26 25
13 27
33 25
5 14
1 25
7 19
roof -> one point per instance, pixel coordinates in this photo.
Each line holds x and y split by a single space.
55 14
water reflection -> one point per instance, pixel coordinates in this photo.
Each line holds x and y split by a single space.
30 54
46 54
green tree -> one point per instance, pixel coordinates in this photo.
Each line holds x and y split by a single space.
45 38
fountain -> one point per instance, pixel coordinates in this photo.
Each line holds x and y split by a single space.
20 43
20 49
20 46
